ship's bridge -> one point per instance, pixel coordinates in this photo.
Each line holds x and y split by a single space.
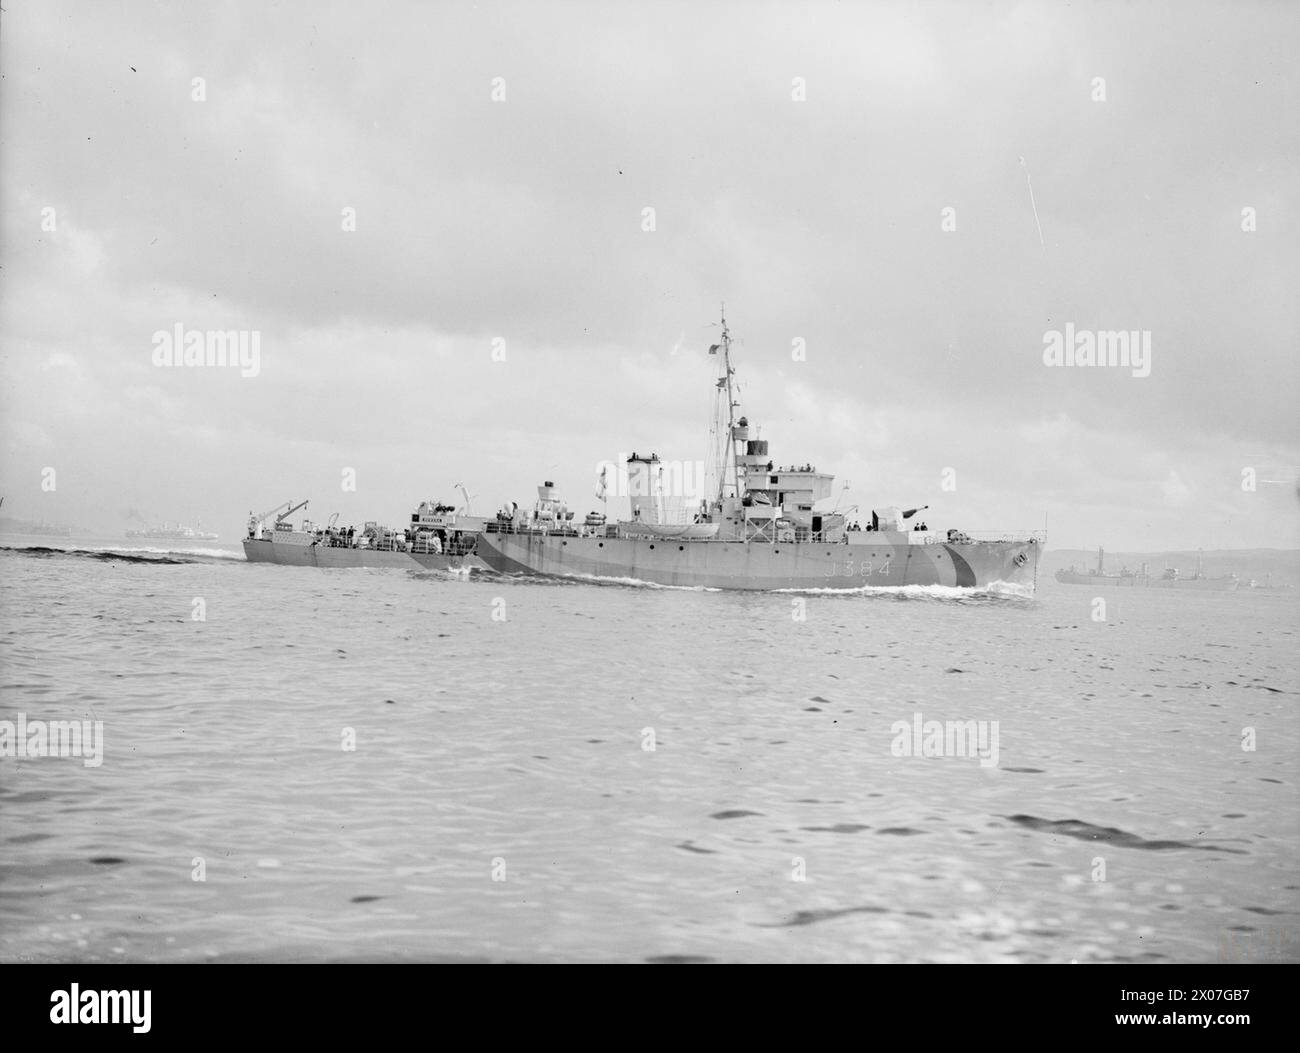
797 487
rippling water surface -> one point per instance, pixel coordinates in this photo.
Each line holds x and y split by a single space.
1124 821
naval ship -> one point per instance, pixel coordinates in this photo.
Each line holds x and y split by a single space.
167 532
1143 579
439 537
760 530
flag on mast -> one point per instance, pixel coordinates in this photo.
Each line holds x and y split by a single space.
600 483
713 348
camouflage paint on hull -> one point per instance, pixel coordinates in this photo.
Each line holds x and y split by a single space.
762 565
292 555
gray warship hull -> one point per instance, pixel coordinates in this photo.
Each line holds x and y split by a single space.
762 566
259 550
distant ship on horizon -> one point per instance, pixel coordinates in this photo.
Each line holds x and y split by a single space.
178 532
1141 578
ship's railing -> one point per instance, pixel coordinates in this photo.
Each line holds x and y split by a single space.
633 530
529 529
391 544
462 547
397 543
801 535
817 537
941 537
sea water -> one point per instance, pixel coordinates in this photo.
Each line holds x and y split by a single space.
379 765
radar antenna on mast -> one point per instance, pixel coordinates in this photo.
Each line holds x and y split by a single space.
465 494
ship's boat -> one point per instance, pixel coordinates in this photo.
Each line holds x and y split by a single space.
762 527
692 531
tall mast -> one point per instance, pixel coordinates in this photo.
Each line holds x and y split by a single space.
731 412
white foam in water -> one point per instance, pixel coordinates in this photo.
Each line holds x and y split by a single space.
211 553
939 592
129 550
1010 588
635 583
934 592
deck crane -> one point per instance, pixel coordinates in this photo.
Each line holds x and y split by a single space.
255 522
285 515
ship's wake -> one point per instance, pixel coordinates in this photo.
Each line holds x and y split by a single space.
127 554
591 579
446 573
638 583
997 590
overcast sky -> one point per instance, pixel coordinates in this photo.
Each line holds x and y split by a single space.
521 220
